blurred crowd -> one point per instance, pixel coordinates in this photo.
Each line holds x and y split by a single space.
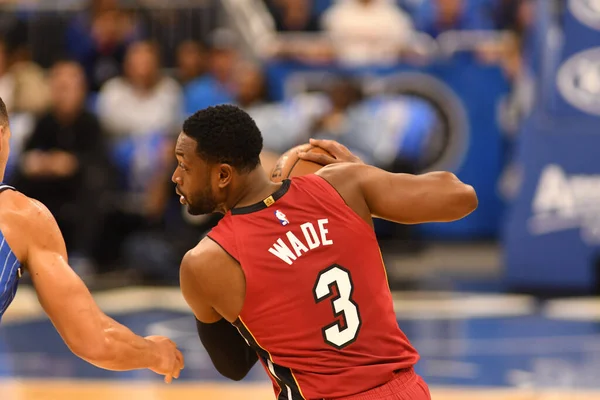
94 130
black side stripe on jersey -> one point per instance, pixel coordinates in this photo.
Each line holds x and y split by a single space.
288 385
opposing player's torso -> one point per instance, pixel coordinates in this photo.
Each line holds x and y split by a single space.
317 307
10 269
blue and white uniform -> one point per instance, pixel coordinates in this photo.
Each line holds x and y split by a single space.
10 269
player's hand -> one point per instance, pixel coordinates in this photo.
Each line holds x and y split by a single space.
339 152
35 163
62 163
170 360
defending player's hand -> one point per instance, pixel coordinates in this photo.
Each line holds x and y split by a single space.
339 152
170 360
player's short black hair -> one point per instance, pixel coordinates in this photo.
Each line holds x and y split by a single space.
3 113
226 134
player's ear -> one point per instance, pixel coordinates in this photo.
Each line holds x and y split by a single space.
225 175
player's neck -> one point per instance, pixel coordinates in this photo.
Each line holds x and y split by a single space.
258 187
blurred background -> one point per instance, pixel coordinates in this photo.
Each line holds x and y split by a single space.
504 93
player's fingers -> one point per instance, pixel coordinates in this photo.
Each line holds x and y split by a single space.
176 369
180 358
323 143
322 159
331 146
169 378
179 363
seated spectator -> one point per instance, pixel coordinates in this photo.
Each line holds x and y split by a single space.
251 86
367 32
383 130
22 82
7 81
216 87
192 61
399 132
516 54
282 124
437 16
143 101
64 161
344 95
505 13
294 15
166 231
98 38
141 111
252 97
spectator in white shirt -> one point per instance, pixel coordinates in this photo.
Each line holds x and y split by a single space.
367 32
143 101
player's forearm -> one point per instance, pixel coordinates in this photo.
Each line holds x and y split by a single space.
119 349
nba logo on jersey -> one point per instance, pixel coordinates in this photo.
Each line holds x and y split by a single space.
281 217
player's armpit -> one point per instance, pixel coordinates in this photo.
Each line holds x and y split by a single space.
86 330
403 198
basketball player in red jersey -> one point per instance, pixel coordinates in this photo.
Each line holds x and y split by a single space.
292 275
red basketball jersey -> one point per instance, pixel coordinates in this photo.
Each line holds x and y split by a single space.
318 309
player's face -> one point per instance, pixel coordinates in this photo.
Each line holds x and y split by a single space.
195 179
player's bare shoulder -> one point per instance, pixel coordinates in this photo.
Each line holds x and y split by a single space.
27 213
209 275
25 221
339 173
205 263
206 255
346 178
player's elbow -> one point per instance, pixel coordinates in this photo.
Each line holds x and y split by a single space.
233 372
238 376
465 200
458 198
471 200
234 365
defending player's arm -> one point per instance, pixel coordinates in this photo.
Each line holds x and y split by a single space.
202 284
87 331
402 198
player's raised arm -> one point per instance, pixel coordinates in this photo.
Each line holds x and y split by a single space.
406 198
403 198
205 283
87 331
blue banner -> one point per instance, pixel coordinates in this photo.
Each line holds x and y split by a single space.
552 235
575 79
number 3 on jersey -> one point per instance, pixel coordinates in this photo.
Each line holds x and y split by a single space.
335 334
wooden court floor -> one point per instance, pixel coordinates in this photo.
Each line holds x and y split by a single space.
116 390
27 333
